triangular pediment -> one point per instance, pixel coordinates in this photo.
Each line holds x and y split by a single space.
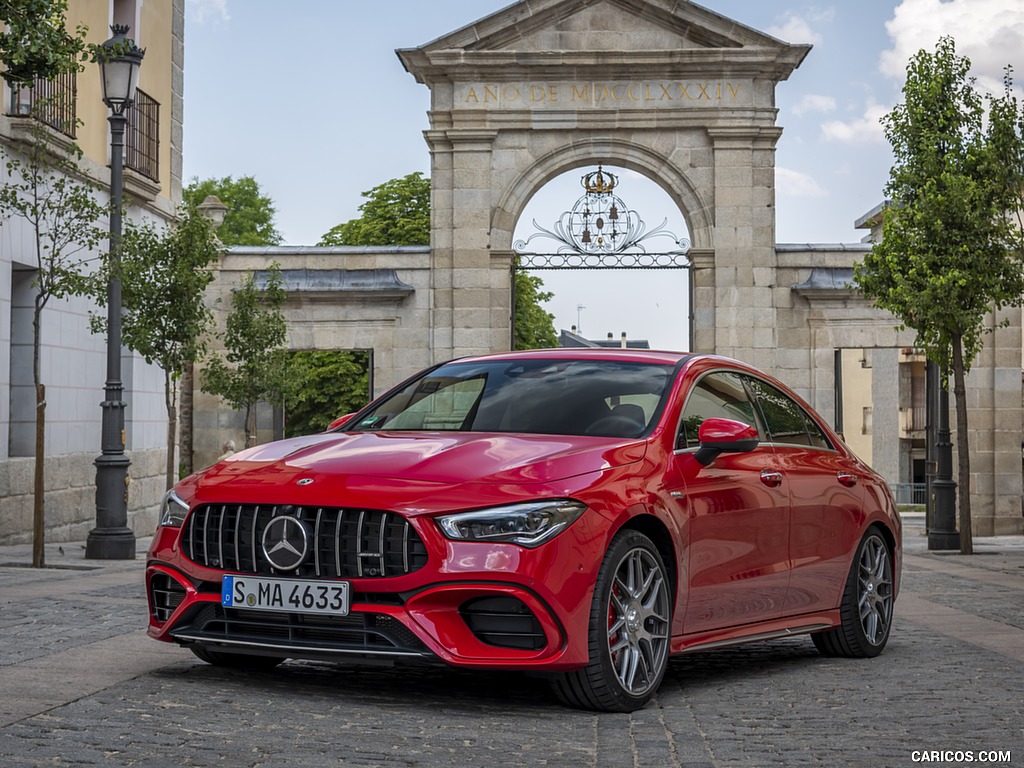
539 34
603 25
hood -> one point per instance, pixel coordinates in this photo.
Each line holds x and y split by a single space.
428 457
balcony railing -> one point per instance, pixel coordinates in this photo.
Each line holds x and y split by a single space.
142 137
52 102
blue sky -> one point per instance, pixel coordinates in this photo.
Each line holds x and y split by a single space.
310 99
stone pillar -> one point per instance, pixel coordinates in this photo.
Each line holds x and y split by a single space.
745 259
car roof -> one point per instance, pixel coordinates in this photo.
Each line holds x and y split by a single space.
585 353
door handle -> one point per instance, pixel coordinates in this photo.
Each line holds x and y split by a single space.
847 479
771 478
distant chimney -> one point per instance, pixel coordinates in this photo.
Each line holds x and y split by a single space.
610 337
623 339
574 329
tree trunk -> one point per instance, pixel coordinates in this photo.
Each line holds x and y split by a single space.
172 427
39 480
39 496
248 425
185 415
963 452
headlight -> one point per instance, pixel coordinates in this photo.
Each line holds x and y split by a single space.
528 525
172 510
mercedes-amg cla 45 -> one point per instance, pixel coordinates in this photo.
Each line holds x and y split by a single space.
583 514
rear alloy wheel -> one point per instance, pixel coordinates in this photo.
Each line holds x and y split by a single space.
866 609
235 660
630 629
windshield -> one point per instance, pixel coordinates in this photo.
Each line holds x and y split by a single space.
551 397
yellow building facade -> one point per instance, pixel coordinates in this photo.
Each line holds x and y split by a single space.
72 359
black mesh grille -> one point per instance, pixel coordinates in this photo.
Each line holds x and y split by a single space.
165 594
505 622
366 632
346 543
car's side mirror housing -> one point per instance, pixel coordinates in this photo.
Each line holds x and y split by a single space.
338 422
724 436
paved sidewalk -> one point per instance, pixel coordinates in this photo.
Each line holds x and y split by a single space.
81 684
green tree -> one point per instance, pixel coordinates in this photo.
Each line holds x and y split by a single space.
250 216
254 367
61 214
333 383
534 327
949 255
164 315
35 42
397 212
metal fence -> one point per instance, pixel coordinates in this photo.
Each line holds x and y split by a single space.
910 493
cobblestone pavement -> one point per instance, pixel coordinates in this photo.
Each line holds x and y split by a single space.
80 684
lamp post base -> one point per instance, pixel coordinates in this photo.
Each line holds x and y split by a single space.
942 534
111 544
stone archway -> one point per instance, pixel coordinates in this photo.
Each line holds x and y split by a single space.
671 89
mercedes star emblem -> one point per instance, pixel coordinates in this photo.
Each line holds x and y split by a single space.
285 543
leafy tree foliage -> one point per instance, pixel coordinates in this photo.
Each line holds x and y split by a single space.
62 215
164 316
534 328
254 367
396 212
950 254
331 384
250 216
36 43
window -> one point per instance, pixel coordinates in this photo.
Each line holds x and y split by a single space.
552 397
718 395
787 422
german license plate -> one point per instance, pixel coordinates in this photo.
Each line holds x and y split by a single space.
291 595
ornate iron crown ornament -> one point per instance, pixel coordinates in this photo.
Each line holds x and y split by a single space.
601 231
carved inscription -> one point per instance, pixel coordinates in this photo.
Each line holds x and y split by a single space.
616 95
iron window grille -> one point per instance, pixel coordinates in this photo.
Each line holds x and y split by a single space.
142 136
51 102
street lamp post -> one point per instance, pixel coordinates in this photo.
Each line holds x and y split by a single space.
112 539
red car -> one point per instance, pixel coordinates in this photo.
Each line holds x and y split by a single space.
582 513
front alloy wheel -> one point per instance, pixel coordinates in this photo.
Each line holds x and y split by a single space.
866 609
630 628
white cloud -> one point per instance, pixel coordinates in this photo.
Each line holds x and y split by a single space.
794 29
989 32
797 184
866 129
812 102
200 9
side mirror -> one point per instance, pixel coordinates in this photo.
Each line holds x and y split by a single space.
338 422
724 436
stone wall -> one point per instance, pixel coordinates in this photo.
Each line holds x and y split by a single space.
71 496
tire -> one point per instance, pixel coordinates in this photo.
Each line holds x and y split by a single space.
235 660
866 609
629 631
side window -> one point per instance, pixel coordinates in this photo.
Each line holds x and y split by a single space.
718 395
787 423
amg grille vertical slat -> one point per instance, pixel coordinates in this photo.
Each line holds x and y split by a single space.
337 538
316 539
382 546
359 542
220 535
192 534
238 530
255 520
405 546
